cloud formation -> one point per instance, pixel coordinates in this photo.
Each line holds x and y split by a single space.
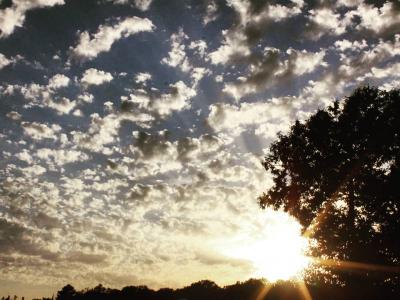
90 46
93 76
14 16
146 156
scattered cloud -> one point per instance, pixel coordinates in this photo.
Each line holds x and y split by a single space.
58 81
109 160
143 5
142 77
176 100
39 131
91 45
274 68
95 77
14 16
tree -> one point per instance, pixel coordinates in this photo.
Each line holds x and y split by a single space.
338 173
68 292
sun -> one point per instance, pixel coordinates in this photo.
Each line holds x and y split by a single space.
277 253
280 257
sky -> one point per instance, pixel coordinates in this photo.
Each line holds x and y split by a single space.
132 131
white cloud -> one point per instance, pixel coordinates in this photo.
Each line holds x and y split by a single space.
86 97
237 41
13 115
177 100
306 62
378 19
329 22
177 55
343 45
199 46
349 3
24 156
234 44
62 106
279 12
89 46
238 118
143 5
39 131
392 71
103 131
142 77
275 68
46 95
357 65
211 12
33 171
14 16
4 61
95 77
60 157
198 73
58 81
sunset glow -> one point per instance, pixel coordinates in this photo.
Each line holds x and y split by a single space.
279 253
166 143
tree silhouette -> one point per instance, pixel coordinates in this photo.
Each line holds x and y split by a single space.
338 173
68 292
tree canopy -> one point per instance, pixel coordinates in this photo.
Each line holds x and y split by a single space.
338 173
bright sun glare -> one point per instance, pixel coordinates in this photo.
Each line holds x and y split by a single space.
279 253
281 257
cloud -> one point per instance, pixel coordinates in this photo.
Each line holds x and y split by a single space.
60 157
211 12
177 55
14 16
91 45
62 106
254 18
58 81
142 77
4 61
154 162
86 258
378 19
13 115
325 20
95 77
344 45
235 119
356 64
273 68
143 5
199 46
104 131
176 100
39 131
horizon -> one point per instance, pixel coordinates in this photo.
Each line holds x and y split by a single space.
133 133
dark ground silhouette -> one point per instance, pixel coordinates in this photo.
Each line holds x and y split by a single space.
252 289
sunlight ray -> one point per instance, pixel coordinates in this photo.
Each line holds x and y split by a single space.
351 265
328 204
263 292
304 290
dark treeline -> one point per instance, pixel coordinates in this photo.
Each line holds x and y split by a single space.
253 289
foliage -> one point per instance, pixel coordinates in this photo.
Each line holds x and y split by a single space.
252 289
338 173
